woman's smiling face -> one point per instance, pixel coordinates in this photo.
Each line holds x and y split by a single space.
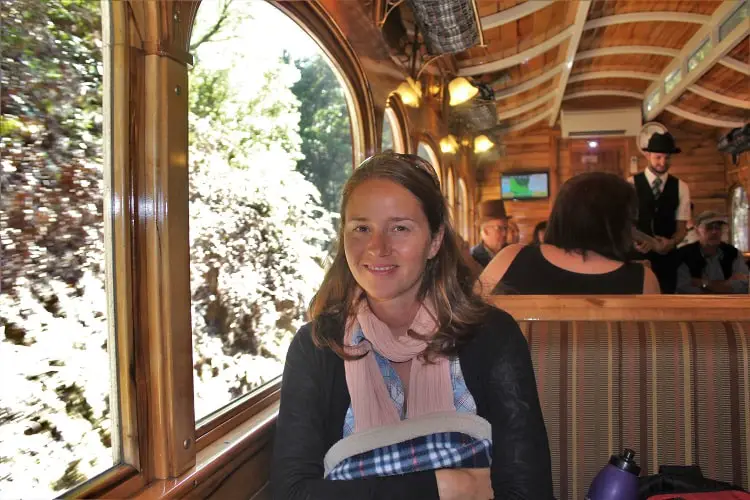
387 240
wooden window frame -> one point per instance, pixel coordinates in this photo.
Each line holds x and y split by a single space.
163 453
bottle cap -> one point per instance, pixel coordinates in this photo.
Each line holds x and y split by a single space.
625 461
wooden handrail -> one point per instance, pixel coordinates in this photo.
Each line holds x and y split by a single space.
624 308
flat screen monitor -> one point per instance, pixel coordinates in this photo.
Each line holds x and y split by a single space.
525 185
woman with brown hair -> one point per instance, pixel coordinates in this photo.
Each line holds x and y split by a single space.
405 385
586 248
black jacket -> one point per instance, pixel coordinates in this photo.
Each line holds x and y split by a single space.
497 368
481 255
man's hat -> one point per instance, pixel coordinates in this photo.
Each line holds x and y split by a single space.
710 216
492 209
662 143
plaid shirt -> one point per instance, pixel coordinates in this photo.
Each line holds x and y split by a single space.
434 451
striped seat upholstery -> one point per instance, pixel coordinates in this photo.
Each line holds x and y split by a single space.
675 392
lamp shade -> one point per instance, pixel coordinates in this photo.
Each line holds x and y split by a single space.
448 144
461 90
482 144
410 93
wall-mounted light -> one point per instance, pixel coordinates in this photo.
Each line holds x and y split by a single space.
482 144
593 144
410 93
449 144
461 90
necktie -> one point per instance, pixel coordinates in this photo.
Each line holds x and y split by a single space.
655 188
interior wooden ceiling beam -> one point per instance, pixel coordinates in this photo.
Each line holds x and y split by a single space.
646 17
627 50
513 14
529 84
519 110
704 120
735 64
582 12
720 98
513 60
657 99
597 75
603 93
531 121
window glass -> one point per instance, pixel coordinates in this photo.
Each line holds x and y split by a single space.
699 55
740 219
57 408
270 148
462 209
392 132
734 20
425 152
672 80
653 100
451 192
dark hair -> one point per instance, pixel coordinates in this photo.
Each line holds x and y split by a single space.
594 212
447 279
542 226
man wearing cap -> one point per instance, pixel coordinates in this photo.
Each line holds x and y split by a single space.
710 265
494 231
663 209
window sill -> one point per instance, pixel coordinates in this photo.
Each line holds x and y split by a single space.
214 462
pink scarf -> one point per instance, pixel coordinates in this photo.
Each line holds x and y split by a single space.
430 386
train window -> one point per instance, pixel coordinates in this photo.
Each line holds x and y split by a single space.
58 408
734 19
740 223
672 80
451 192
699 55
426 152
462 209
270 149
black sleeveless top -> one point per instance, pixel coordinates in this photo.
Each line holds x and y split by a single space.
531 274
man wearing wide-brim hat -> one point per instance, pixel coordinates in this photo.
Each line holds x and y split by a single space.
663 209
494 231
710 265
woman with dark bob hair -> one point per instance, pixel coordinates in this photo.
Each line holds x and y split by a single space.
586 246
405 384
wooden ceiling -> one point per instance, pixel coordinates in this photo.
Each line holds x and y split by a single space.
541 56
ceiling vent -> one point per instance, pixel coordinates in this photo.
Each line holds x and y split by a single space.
448 26
625 122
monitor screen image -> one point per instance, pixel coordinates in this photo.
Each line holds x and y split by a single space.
524 186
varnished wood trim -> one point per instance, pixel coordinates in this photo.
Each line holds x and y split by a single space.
119 225
104 483
164 267
624 308
214 461
236 413
317 23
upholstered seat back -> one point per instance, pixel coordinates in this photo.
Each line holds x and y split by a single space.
675 392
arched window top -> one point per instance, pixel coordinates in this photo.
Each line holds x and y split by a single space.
462 209
451 189
393 132
740 219
425 151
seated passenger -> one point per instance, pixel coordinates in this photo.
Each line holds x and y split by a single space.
406 385
539 231
709 265
585 249
494 231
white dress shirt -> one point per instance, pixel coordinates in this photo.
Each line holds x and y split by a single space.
683 208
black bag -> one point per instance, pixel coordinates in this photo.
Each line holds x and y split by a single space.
679 479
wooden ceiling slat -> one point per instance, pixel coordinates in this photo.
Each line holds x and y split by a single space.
511 14
720 98
714 122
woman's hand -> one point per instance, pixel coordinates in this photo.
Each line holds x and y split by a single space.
464 484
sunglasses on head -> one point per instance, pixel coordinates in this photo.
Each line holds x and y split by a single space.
418 162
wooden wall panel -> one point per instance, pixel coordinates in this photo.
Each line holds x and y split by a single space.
700 165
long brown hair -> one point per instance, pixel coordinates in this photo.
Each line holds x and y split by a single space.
447 279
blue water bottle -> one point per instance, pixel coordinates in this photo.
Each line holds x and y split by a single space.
618 480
